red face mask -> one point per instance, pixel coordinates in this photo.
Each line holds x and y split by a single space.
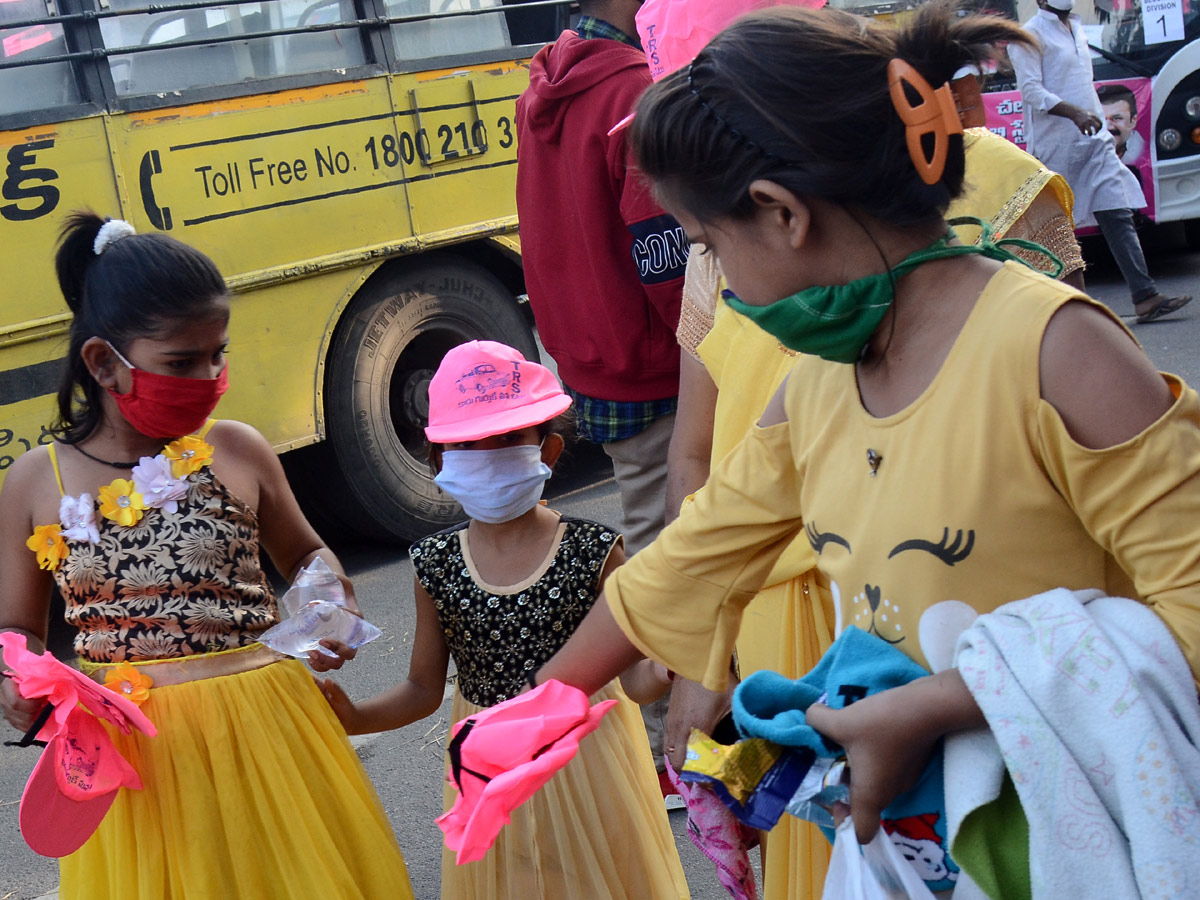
168 406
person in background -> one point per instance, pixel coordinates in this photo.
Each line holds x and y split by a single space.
603 263
1067 133
500 594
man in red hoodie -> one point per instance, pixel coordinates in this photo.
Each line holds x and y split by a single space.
603 263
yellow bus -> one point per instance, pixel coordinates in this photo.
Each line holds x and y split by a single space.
349 165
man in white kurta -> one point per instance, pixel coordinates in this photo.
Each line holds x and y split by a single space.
1065 126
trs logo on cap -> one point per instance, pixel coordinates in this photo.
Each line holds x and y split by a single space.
483 384
484 378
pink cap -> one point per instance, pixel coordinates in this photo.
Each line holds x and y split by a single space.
502 755
484 388
77 776
672 32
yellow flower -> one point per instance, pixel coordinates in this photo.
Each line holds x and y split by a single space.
121 502
188 454
48 544
126 680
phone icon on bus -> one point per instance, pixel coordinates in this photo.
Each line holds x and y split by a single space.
160 217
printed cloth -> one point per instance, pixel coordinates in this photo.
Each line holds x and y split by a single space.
768 705
1092 710
717 833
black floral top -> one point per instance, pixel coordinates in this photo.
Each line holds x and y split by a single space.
497 638
174 584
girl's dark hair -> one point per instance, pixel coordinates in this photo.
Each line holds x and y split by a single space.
136 286
800 97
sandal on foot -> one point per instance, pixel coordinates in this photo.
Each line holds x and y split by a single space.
1165 307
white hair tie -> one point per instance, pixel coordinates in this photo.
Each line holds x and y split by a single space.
110 232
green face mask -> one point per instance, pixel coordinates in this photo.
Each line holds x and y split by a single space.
835 322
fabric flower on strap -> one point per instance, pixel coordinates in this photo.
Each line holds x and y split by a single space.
49 546
154 479
78 518
188 454
121 502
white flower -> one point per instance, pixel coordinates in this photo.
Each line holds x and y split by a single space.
154 480
78 518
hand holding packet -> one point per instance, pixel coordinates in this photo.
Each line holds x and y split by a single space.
315 610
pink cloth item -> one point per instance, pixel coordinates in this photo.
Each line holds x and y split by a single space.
483 388
502 755
77 776
672 32
719 835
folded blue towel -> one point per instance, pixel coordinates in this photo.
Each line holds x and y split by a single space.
858 664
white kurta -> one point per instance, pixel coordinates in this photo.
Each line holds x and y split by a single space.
1063 72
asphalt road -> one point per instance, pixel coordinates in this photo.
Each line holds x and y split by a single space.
406 765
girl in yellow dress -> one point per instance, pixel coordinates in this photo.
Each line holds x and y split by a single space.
148 517
958 431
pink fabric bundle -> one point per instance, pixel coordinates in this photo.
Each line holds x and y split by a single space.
502 755
77 776
718 834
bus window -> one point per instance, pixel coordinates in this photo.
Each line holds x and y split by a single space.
429 38
38 85
185 60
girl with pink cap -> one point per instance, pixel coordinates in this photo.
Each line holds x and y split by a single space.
501 593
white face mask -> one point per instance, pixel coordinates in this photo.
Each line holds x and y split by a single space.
494 486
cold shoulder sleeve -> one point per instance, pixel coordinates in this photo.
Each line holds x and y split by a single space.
680 600
1140 500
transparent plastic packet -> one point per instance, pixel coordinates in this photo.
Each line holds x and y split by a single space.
315 610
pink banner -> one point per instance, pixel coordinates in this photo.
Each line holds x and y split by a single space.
1126 104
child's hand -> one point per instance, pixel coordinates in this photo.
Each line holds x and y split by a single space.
339 701
321 662
21 712
888 738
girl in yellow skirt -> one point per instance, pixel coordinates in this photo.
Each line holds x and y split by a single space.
147 516
501 593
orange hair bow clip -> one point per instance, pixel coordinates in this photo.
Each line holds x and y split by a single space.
936 114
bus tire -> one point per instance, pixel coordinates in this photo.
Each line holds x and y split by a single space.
384 352
1191 233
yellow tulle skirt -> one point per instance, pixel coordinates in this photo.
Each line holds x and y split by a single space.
251 790
597 830
785 629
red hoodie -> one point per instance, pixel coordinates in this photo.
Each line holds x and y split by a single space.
603 263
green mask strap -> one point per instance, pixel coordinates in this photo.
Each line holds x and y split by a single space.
998 250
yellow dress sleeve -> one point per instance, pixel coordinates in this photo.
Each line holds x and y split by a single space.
726 542
1140 500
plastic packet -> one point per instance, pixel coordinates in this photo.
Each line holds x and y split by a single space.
315 610
754 778
825 784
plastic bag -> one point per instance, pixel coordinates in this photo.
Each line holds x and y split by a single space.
315 606
877 871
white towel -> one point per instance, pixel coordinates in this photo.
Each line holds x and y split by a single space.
1093 710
